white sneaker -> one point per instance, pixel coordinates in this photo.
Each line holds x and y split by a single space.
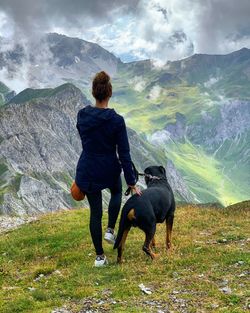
100 261
110 236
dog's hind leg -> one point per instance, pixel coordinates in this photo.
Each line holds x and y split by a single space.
153 244
147 244
169 227
122 245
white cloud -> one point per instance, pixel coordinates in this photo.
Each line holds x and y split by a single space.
155 92
159 137
20 75
137 83
17 82
170 30
211 82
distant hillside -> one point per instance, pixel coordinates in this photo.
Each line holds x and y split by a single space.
228 73
244 205
198 110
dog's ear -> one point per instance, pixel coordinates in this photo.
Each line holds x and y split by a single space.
162 170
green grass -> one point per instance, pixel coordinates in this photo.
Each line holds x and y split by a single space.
1 99
200 170
5 187
31 94
148 115
59 247
178 95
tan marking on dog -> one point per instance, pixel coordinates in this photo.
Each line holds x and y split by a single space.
154 255
131 215
153 243
121 245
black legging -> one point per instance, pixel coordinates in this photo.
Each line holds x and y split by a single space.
95 203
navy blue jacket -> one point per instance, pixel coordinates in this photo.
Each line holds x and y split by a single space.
103 133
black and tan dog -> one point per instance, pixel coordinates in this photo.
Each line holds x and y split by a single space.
155 205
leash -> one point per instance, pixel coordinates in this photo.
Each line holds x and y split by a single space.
137 174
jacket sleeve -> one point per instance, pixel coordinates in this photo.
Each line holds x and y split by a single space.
124 154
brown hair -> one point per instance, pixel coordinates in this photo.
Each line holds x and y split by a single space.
101 86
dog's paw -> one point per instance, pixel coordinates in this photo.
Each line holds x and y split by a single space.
154 255
120 260
168 245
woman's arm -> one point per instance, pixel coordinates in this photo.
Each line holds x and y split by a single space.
124 154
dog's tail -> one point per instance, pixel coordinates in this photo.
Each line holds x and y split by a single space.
124 223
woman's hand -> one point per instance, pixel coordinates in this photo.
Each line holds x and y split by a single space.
136 190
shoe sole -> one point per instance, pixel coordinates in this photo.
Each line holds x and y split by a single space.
101 265
109 238
110 241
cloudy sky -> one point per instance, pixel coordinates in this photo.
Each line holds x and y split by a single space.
135 29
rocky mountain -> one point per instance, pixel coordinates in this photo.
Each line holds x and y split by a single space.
229 74
53 60
40 148
37 155
193 112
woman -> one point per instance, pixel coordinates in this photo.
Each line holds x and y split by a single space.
103 134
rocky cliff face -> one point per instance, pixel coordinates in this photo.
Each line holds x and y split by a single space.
177 130
40 148
39 151
178 184
228 121
231 121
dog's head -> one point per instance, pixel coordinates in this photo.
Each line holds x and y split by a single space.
154 171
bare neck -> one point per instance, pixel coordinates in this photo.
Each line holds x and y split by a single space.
102 104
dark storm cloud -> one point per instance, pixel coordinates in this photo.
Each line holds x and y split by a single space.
160 29
31 16
218 19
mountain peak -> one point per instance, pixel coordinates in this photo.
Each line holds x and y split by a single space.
244 49
29 94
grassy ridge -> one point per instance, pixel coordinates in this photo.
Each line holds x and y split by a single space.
209 253
29 94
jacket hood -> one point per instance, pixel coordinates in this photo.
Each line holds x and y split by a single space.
92 117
